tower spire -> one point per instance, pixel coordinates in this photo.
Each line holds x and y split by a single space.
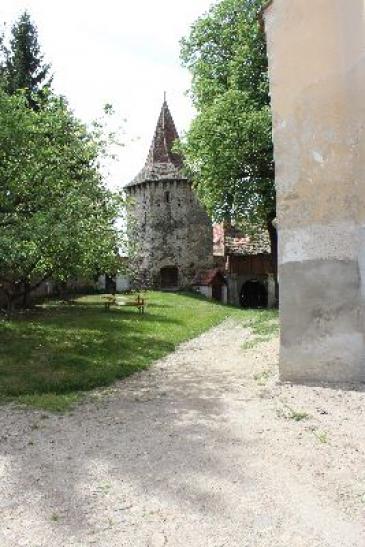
161 150
163 162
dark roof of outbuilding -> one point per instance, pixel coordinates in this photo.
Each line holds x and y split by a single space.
208 277
162 162
233 242
257 244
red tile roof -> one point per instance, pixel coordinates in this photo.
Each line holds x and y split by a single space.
233 242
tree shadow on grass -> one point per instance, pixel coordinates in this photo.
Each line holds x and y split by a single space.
77 366
78 351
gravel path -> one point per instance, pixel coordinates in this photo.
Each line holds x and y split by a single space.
204 449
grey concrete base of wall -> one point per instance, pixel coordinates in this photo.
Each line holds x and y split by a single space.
321 321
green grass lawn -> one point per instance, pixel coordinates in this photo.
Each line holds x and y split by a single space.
49 356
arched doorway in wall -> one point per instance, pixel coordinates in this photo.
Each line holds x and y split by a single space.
253 295
169 278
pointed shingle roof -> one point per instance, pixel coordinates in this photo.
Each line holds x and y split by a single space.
162 162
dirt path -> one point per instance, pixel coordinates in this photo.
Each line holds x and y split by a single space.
205 449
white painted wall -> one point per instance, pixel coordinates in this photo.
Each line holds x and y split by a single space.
205 291
123 283
100 284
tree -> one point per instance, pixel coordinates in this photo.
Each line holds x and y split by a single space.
56 217
2 59
228 149
25 67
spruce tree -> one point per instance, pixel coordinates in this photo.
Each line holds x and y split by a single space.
25 67
3 53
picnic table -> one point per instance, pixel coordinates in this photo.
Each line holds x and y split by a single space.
111 300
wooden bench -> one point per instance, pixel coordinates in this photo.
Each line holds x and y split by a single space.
109 301
140 303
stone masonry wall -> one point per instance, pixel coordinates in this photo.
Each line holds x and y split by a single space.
317 73
170 229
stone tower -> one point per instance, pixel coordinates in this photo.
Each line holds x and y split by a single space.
169 228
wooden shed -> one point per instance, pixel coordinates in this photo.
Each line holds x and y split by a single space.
211 284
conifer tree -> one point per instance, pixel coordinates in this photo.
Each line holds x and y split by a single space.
25 67
2 60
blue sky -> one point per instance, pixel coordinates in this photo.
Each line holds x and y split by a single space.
120 52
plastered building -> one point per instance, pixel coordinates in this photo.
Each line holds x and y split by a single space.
316 54
171 230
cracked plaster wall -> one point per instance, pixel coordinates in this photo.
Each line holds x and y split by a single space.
316 54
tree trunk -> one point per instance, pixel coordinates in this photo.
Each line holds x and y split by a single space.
10 305
64 291
26 292
273 234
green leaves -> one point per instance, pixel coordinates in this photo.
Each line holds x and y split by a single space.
56 217
228 148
